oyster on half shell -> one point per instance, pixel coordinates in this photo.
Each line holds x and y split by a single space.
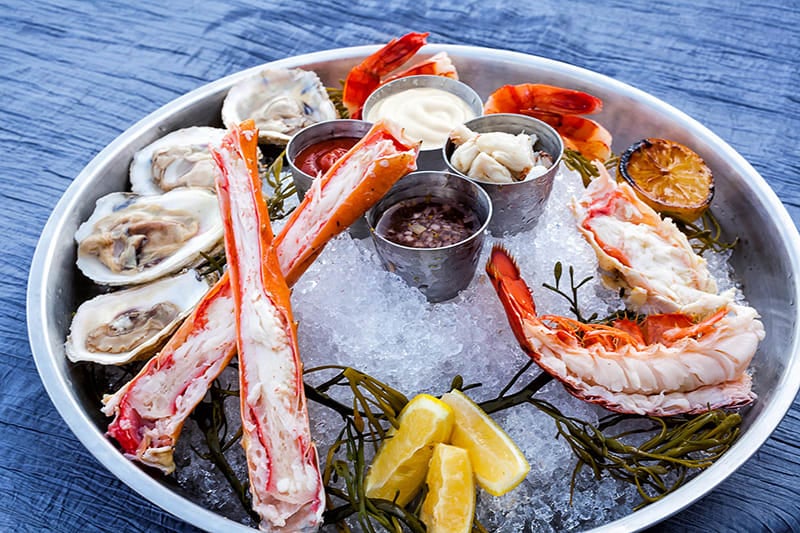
132 239
281 101
179 159
122 326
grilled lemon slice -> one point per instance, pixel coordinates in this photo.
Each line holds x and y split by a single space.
669 177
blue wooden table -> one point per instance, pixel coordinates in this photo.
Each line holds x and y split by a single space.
76 74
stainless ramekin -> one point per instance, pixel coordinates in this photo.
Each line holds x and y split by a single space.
323 131
517 206
429 158
440 273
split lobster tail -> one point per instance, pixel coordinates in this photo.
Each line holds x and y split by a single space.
285 481
670 365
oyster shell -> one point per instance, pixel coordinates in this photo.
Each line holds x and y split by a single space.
281 101
179 159
132 239
122 326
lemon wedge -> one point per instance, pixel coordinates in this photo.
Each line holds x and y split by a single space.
497 461
449 506
400 465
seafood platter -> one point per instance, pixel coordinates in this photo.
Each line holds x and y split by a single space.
467 290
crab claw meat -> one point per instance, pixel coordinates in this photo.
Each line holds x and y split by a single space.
149 411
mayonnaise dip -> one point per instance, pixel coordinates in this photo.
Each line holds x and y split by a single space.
426 114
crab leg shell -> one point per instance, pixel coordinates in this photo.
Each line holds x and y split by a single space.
151 408
365 173
285 481
149 411
703 369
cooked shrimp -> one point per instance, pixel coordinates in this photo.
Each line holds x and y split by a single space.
375 70
149 411
680 366
560 108
437 65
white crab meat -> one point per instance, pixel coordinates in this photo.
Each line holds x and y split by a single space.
644 254
497 157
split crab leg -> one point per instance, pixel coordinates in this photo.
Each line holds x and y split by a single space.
285 481
642 253
149 411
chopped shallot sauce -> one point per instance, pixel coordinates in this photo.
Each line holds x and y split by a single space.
427 223
320 157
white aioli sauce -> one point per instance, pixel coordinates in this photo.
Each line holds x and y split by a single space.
426 114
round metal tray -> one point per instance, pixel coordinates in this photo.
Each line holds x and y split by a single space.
767 260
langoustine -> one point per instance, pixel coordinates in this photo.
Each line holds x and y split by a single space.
560 108
680 366
149 411
285 481
376 69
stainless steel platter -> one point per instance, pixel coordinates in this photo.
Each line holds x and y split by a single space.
767 260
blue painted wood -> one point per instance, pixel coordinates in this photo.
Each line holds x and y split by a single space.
74 75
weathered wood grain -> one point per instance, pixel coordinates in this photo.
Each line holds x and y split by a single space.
75 74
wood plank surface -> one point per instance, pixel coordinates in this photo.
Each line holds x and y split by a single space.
76 74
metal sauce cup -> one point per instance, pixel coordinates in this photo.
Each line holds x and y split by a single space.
429 158
440 273
517 206
324 131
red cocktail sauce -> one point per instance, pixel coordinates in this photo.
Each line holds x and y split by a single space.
321 156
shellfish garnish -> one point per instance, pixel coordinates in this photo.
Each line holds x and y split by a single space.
281 101
123 326
179 159
497 156
132 239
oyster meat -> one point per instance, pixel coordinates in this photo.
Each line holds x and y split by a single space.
120 327
132 239
179 159
281 101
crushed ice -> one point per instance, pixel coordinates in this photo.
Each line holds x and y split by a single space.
352 312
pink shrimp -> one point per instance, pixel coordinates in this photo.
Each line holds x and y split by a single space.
375 70
560 108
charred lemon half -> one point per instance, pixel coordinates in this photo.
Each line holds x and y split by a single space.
669 177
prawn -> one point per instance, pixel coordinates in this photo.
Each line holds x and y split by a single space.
560 108
375 70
